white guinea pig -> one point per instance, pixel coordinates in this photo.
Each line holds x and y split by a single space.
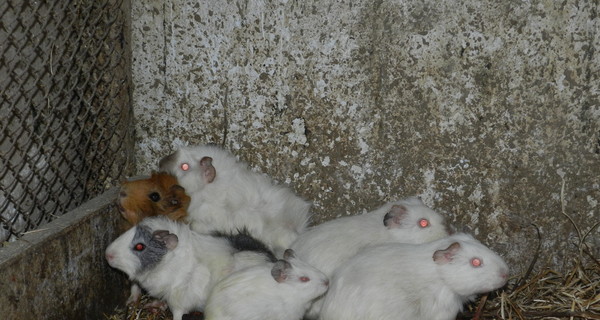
326 246
418 282
330 244
180 266
227 195
278 291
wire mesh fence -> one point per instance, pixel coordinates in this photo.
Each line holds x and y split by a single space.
64 106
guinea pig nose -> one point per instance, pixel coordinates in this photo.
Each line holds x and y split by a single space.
109 256
122 194
326 283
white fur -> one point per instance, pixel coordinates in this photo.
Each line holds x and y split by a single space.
238 197
402 281
253 294
185 274
332 243
326 246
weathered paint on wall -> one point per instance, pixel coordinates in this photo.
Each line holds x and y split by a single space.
59 271
489 110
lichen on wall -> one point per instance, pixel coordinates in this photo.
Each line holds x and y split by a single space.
489 110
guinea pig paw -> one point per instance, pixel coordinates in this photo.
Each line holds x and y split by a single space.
156 306
135 296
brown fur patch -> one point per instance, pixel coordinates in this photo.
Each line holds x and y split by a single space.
135 201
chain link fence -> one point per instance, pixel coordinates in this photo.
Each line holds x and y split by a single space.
65 111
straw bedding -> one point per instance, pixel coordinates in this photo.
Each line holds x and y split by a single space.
548 294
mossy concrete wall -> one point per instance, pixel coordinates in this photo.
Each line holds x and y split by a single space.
59 271
489 110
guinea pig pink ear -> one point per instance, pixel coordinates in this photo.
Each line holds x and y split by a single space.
169 239
393 219
207 169
289 254
280 270
447 255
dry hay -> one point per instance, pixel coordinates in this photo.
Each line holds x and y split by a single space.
547 295
138 311
146 309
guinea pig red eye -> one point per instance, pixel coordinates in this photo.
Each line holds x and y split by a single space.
139 247
185 166
304 279
423 223
476 262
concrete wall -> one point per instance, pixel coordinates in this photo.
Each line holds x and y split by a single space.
488 109
59 271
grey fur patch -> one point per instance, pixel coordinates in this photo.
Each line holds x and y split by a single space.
153 250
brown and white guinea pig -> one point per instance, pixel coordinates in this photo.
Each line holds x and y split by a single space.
158 195
179 266
329 245
428 281
227 195
278 291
